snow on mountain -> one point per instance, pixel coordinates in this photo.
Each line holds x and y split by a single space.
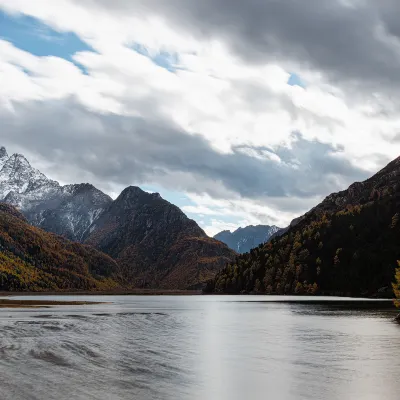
19 182
244 239
66 210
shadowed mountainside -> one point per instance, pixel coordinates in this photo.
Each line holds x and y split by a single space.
346 245
155 243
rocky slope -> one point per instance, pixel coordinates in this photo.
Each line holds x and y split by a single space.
346 245
244 239
69 212
155 243
34 260
65 210
21 183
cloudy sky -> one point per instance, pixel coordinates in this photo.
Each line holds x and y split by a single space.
240 112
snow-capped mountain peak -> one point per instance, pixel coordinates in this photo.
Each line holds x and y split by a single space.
67 210
18 177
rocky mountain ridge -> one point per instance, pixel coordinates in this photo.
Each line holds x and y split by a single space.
242 240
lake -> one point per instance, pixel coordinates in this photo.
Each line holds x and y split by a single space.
201 347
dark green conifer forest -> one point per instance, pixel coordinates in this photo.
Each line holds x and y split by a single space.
344 246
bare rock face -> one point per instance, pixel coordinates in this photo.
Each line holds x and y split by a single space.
71 211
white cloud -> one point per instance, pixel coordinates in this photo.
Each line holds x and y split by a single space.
237 212
212 93
217 226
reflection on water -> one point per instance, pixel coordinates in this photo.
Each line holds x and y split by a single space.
205 347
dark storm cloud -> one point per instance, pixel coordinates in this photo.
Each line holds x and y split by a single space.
350 41
127 150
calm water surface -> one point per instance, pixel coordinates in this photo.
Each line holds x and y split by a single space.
200 347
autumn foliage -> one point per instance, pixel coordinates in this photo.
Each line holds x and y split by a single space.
396 285
34 260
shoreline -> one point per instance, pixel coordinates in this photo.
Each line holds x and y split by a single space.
6 303
131 292
180 292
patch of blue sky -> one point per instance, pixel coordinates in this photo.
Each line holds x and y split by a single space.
31 35
295 80
174 197
169 61
181 200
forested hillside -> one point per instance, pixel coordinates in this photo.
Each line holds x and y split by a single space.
347 245
32 259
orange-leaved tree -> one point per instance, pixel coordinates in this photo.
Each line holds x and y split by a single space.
396 286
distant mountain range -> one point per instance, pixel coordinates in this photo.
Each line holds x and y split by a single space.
153 241
244 239
346 245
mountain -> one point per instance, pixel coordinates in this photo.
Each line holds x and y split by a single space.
153 240
66 210
70 212
244 239
155 243
32 259
18 180
346 245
